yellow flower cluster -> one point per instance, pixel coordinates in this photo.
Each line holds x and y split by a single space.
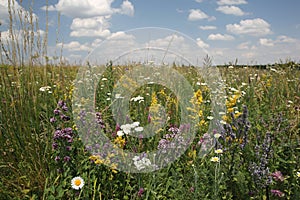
120 141
98 161
231 106
198 99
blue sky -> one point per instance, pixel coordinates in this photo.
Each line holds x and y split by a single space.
253 31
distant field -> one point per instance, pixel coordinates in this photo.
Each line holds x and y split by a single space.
254 156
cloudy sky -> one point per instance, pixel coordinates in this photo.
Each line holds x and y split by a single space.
252 31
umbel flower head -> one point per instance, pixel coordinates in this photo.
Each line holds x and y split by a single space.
77 183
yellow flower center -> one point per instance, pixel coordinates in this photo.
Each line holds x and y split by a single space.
77 182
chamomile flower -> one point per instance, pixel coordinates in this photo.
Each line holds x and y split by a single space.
77 183
218 151
215 159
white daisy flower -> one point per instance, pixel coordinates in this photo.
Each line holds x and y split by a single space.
77 183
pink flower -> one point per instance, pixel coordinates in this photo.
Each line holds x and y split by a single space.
278 176
277 193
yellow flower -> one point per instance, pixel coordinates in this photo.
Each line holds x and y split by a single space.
120 141
230 110
99 161
113 168
192 154
237 114
218 151
215 159
94 157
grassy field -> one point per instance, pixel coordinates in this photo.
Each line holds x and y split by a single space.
255 155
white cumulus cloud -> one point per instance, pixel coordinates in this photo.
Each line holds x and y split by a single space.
231 10
91 8
231 2
266 42
208 27
90 27
126 8
219 36
253 27
197 14
74 46
201 43
17 9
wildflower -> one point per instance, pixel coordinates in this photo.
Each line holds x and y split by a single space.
223 122
215 159
120 133
56 111
141 163
217 135
67 158
68 148
278 176
135 124
141 191
54 145
126 128
298 174
219 151
210 118
57 158
139 129
52 120
277 193
138 98
77 183
45 88
120 141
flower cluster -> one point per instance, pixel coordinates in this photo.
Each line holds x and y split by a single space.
62 137
137 99
141 162
259 170
98 160
173 140
128 128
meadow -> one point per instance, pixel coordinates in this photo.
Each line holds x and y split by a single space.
52 147
255 155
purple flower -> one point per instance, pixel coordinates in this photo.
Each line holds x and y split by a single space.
64 108
174 130
57 134
68 131
149 118
56 111
67 158
60 103
52 120
141 191
68 148
277 193
57 158
65 117
54 145
278 176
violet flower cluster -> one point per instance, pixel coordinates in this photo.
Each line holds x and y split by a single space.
62 137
